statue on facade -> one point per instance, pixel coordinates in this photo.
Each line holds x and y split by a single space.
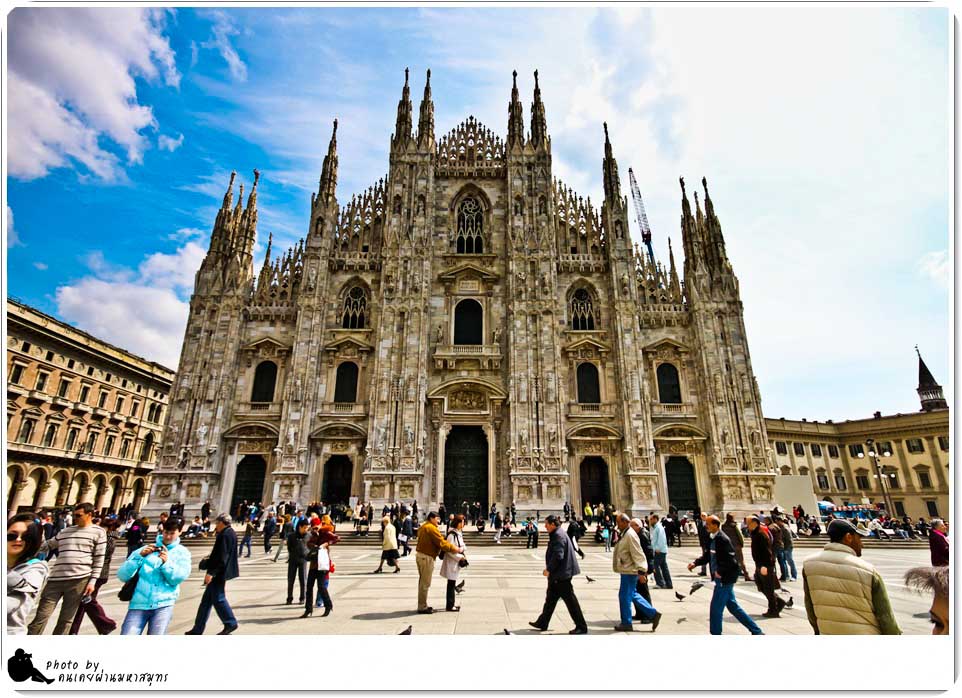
202 435
291 436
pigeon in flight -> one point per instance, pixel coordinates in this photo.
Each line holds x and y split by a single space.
407 631
695 587
681 620
590 580
508 632
680 597
459 587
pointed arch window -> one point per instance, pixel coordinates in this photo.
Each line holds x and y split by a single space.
345 384
669 388
147 448
582 310
470 227
265 376
355 309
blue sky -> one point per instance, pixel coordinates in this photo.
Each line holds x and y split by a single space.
823 133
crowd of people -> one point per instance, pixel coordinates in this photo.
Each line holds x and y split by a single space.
64 558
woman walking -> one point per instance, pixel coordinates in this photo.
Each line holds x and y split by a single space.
405 533
319 544
453 562
161 567
93 609
26 574
389 551
135 534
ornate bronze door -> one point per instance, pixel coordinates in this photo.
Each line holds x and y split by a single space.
594 482
682 492
248 481
465 468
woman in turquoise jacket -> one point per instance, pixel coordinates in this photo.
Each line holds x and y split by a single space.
162 567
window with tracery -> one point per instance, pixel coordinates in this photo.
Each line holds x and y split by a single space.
582 311
355 309
470 222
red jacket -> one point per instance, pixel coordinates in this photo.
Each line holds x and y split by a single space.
939 547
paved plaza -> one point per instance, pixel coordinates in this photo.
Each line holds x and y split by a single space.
503 589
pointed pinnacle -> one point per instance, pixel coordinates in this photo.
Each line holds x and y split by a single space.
514 77
536 79
681 180
257 175
606 132
406 71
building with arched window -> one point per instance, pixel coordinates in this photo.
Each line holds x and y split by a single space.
83 416
468 328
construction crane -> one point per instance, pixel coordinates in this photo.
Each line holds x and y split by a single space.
640 215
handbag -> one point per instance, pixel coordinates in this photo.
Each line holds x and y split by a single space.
204 562
402 538
324 560
126 592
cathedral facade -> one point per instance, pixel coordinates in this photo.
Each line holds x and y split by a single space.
467 329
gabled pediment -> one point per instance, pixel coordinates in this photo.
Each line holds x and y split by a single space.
265 343
467 269
348 344
589 345
667 344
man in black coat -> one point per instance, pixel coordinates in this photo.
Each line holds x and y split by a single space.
221 567
560 567
725 571
764 557
704 539
270 528
297 562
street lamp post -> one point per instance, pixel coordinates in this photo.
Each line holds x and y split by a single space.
880 476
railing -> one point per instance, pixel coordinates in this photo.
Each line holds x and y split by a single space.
672 409
475 349
589 409
343 408
261 408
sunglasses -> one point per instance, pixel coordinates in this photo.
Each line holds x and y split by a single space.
15 536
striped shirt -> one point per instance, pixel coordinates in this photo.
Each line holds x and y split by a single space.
80 552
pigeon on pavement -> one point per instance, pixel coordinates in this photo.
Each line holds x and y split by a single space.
680 597
790 602
407 631
508 632
681 620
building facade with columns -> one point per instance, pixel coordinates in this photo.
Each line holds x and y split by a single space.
468 329
896 462
83 417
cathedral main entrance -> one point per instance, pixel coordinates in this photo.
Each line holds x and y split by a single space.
248 481
680 475
594 482
338 472
465 467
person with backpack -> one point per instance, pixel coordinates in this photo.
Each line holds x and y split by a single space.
159 570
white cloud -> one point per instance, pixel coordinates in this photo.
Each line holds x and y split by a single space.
143 310
71 85
40 266
223 29
12 238
937 267
168 143
184 234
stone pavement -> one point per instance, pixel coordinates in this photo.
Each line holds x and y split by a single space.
503 589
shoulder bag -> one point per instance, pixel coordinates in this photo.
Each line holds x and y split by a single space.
126 592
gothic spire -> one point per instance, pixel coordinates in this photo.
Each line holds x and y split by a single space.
267 254
688 230
328 181
930 392
426 118
402 129
229 194
610 169
539 125
515 115
713 233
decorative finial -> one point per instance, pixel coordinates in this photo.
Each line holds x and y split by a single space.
406 72
334 133
514 77
429 76
704 183
917 351
257 175
536 79
606 131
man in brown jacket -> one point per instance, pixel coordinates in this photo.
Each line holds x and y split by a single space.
430 545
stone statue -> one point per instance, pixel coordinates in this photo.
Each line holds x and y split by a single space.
291 436
311 278
497 336
202 435
439 334
552 439
524 440
408 435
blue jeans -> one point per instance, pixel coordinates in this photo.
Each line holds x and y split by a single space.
724 597
215 597
790 561
628 595
156 621
662 575
782 565
245 541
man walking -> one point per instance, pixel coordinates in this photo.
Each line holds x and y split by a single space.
430 544
764 560
788 549
659 549
844 594
81 549
629 562
703 539
939 544
560 566
221 567
270 528
731 529
724 573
